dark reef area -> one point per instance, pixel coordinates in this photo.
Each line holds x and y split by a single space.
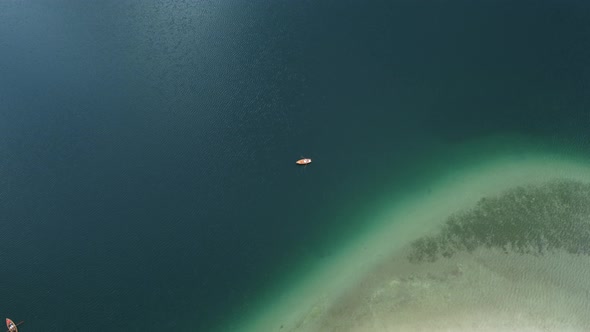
533 219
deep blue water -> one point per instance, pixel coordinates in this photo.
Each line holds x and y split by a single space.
147 147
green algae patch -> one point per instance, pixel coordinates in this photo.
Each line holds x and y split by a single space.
531 219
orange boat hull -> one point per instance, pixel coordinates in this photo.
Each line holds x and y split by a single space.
11 326
303 161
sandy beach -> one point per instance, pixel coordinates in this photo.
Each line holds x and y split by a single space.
373 285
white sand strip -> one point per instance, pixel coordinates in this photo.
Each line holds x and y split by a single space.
310 305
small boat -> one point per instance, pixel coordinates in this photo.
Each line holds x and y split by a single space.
11 326
303 161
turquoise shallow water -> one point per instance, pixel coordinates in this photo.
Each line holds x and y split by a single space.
517 192
148 148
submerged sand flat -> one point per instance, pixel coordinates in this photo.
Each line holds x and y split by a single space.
495 246
483 291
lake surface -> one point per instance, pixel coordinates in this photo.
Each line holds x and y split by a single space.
147 176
